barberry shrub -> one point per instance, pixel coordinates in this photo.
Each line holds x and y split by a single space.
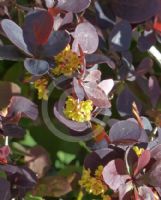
80 106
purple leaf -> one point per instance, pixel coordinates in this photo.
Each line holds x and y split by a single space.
102 157
9 52
156 152
86 36
93 59
57 42
36 67
27 177
106 85
23 106
79 127
114 174
13 130
92 161
135 11
74 6
154 90
5 189
15 34
146 41
36 30
125 107
145 66
120 36
104 16
97 95
154 174
125 132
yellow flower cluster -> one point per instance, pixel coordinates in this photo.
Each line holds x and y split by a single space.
78 111
138 150
67 62
93 184
41 86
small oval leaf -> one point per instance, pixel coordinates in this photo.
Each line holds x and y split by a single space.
36 67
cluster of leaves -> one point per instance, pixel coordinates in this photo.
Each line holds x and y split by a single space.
105 56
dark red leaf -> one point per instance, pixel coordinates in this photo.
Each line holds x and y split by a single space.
143 160
36 30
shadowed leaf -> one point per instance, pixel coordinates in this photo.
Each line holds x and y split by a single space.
36 67
58 40
13 131
93 59
135 11
23 106
9 52
75 6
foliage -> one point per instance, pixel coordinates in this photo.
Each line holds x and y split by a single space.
80 106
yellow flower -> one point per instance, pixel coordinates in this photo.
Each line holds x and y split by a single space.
78 111
138 150
67 62
41 86
93 184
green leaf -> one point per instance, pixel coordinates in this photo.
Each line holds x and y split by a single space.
30 197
